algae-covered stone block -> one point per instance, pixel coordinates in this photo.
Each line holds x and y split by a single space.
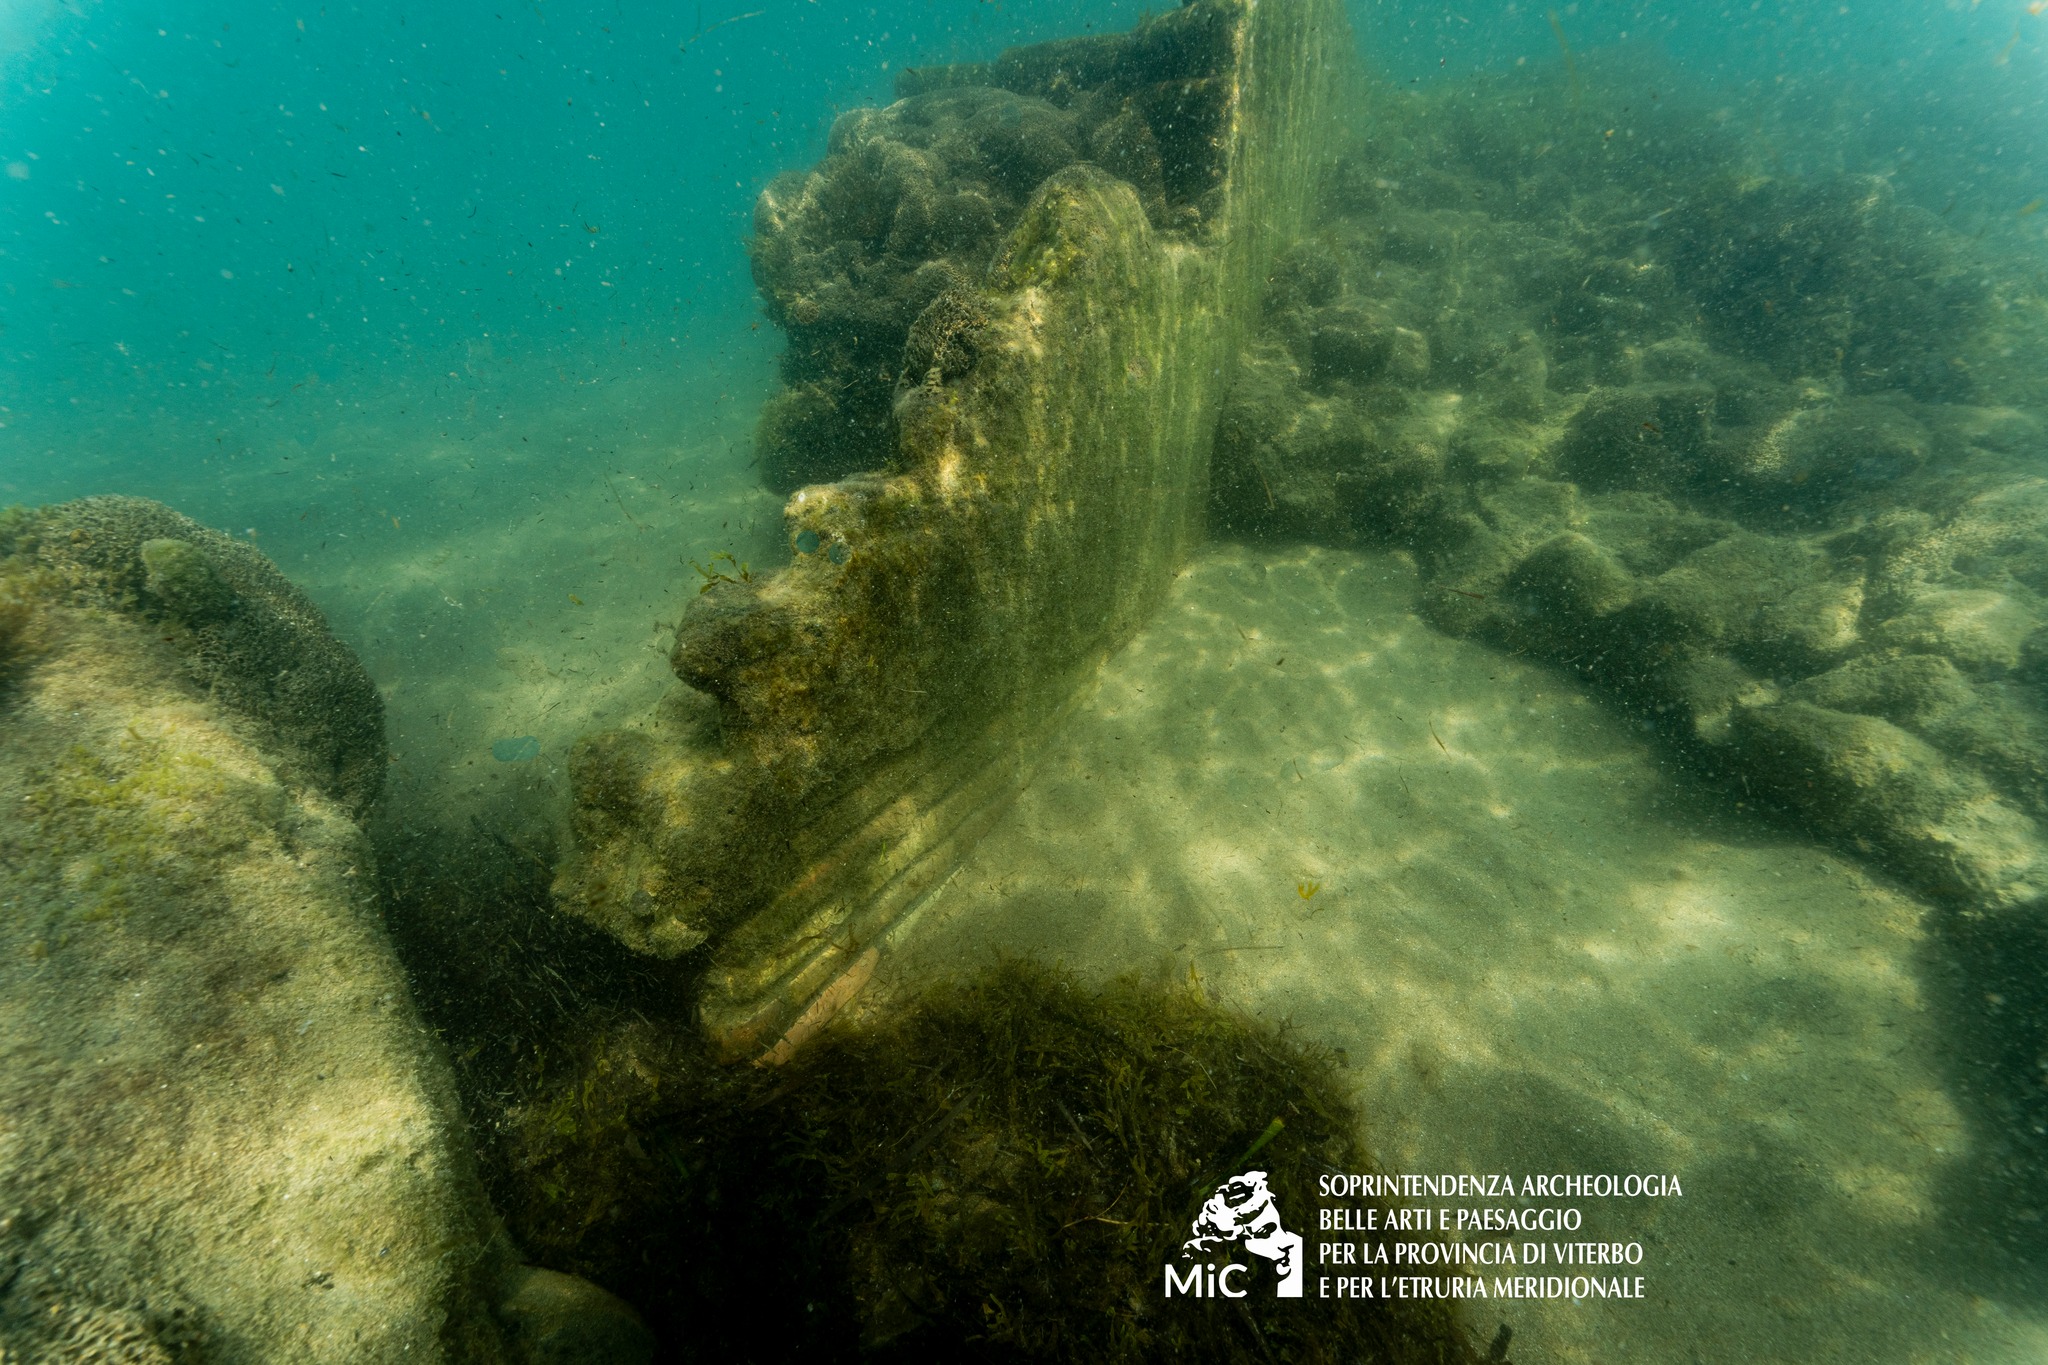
1785 447
1407 356
1867 780
1974 722
1980 630
1346 342
1710 689
1913 690
1814 624
1831 276
225 1135
1648 436
1719 595
1573 575
1042 473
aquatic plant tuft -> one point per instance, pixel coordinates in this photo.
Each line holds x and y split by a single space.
15 616
999 1170
184 580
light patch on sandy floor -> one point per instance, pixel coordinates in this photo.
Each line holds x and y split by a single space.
1536 949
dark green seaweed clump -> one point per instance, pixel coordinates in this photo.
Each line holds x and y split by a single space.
1003 1170
16 612
14 620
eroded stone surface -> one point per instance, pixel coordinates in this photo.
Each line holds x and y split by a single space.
876 701
224 1133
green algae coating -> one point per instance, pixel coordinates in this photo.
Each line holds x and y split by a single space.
184 580
237 628
877 702
224 1133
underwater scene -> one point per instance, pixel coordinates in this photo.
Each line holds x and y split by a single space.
1024 680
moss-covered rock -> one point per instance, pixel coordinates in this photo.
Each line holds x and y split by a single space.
1572 576
1718 596
1281 454
182 580
1990 726
1979 630
239 629
1821 451
1832 277
1648 436
558 1319
229 1139
1695 431
1864 779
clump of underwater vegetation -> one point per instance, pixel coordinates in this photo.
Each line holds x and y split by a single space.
184 580
14 623
17 613
1001 1169
527 1000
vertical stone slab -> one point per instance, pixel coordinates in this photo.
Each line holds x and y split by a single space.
852 723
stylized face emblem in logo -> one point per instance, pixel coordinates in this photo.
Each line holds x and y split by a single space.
1242 1211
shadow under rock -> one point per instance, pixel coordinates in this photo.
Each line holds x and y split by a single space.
1987 979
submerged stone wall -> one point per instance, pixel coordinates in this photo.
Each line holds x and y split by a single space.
1042 342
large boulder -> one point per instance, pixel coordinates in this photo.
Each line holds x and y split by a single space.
224 1133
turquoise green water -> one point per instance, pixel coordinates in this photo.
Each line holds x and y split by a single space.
370 287
450 313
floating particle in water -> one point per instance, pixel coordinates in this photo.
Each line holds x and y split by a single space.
523 749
